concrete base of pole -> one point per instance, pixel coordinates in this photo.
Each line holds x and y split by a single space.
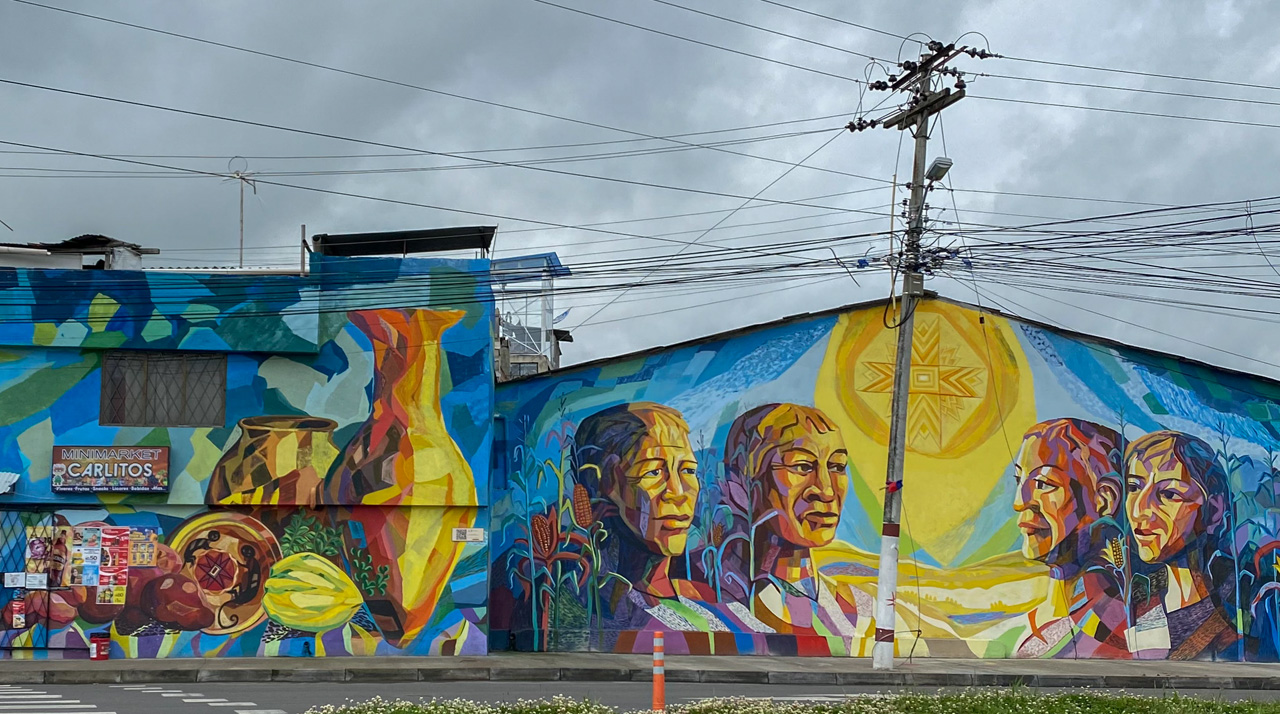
886 590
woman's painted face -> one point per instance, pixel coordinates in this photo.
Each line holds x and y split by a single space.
1165 507
656 489
806 484
1048 511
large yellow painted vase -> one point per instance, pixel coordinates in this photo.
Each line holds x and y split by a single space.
403 461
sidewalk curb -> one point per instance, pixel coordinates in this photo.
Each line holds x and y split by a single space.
908 679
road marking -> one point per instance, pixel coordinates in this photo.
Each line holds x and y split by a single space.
7 708
159 691
181 694
203 701
31 695
234 704
67 703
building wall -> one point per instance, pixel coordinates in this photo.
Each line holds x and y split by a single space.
1063 498
317 521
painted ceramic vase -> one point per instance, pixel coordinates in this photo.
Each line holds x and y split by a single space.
278 460
402 458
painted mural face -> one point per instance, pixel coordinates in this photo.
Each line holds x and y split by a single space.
655 486
1048 510
1066 482
1165 507
807 474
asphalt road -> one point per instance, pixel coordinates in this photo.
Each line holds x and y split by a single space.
289 698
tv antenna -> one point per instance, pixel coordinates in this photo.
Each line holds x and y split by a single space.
244 176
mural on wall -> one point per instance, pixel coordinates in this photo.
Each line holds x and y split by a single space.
1065 498
318 520
259 582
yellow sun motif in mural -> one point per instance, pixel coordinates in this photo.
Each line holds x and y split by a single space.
969 381
948 382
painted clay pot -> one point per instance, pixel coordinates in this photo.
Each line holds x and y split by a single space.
403 457
278 460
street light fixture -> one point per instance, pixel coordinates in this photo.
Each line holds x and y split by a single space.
938 169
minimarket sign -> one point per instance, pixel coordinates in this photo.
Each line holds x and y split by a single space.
92 469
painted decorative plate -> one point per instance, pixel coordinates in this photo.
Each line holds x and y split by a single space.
229 555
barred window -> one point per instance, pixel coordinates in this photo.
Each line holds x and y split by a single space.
523 369
163 389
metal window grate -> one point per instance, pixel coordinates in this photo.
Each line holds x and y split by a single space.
13 548
163 389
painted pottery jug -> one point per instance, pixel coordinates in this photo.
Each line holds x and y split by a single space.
278 460
401 458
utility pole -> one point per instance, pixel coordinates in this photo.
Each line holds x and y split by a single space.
918 78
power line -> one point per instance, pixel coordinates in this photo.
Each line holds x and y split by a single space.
464 295
1148 328
770 31
792 286
1141 74
839 20
697 42
384 80
1133 112
418 154
1051 63
771 184
571 158
307 132
381 199
1136 90
724 218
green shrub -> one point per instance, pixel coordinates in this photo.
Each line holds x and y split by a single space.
974 701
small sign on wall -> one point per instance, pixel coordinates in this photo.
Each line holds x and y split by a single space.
126 469
468 535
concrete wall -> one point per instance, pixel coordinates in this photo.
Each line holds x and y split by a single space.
317 520
1064 498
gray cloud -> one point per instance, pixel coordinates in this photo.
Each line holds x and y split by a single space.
526 54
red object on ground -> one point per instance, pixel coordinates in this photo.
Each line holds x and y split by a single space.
99 646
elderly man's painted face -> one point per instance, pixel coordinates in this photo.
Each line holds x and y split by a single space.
806 481
1166 507
655 488
1056 498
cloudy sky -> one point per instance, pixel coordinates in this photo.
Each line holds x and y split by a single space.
533 56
